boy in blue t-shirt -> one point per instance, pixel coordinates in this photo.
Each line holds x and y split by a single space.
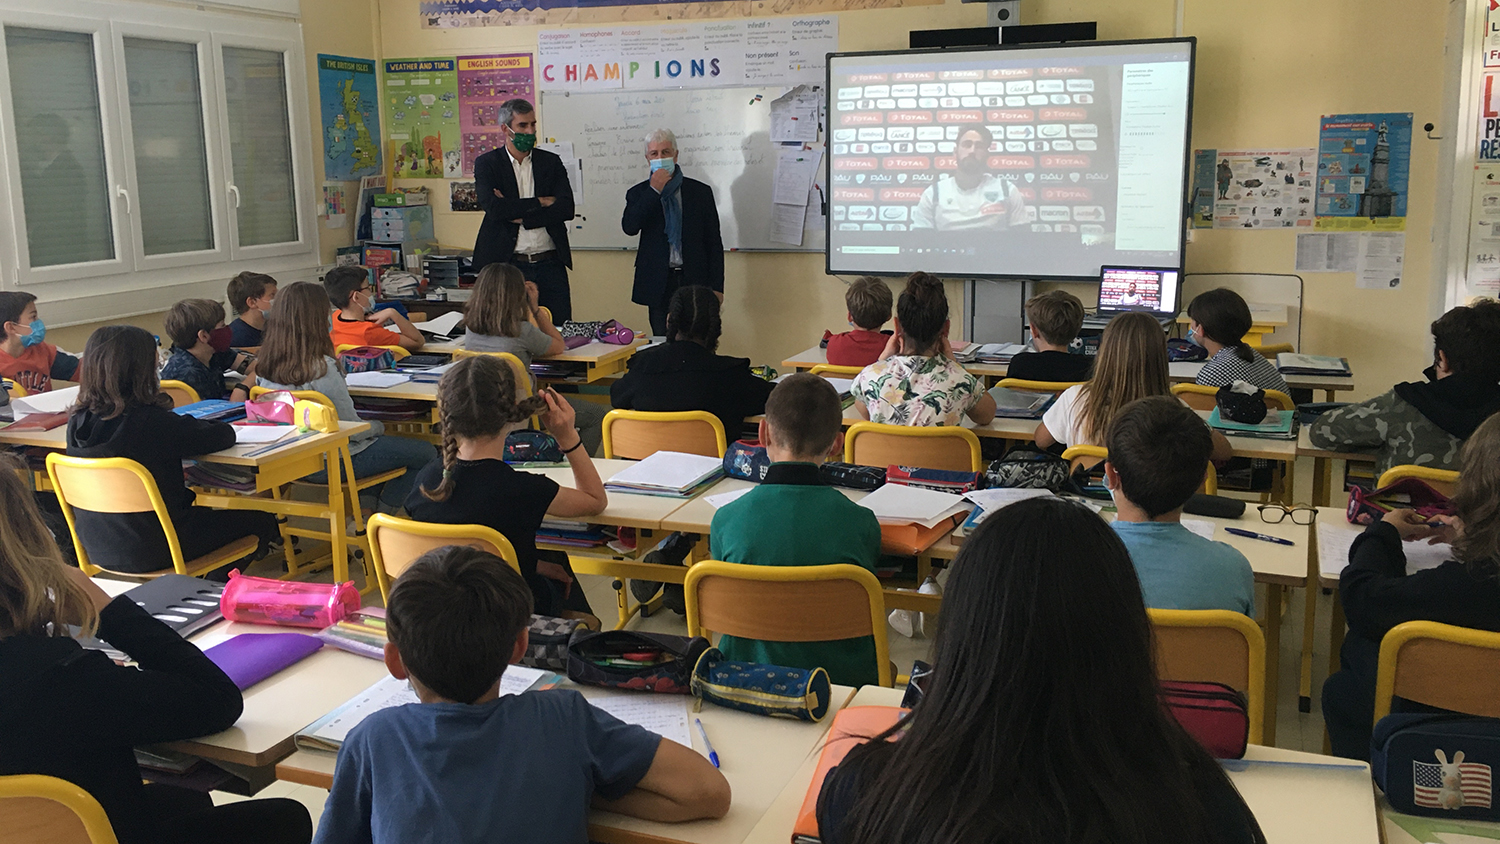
1158 455
467 764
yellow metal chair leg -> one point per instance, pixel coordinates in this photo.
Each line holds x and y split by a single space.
1274 594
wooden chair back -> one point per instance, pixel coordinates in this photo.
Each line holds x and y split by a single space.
1214 646
396 543
1442 480
1440 665
1270 352
944 447
1091 455
36 809
788 604
638 434
1204 397
181 394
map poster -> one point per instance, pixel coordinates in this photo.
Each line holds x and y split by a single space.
1264 189
422 102
350 110
484 82
1364 165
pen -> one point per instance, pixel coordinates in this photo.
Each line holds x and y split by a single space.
712 756
1250 534
1239 765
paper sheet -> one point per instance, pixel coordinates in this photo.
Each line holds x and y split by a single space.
794 115
901 504
1327 253
1201 527
1381 255
256 434
392 692
1336 536
991 500
665 715
54 401
442 325
377 380
787 223
574 166
668 469
795 171
723 498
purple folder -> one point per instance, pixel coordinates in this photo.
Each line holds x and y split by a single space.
251 657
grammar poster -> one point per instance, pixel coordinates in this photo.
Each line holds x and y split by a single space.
422 104
350 112
484 82
1364 166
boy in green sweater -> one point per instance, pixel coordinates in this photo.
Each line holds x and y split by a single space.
794 519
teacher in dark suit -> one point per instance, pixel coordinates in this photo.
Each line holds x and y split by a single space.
527 204
679 227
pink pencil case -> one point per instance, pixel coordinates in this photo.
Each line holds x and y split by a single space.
263 600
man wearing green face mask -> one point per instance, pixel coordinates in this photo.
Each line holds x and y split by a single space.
527 204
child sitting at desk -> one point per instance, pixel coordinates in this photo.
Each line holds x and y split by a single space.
201 350
1056 317
25 357
916 381
1041 720
72 713
1426 422
1158 456
470 764
122 412
1219 319
251 295
794 519
1378 594
471 484
356 324
869 302
297 354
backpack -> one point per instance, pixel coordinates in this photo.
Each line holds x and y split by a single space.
1027 467
367 359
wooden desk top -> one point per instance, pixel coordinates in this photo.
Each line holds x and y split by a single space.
591 353
1305 448
237 455
625 509
409 391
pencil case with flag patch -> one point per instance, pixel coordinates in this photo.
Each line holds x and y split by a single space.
1440 765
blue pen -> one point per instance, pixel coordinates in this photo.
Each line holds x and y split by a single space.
1250 534
712 756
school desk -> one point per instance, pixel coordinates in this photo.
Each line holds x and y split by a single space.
600 360
758 755
1291 803
1323 464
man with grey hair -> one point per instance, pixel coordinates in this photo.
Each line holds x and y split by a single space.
678 223
527 204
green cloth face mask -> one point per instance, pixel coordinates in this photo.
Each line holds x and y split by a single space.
524 141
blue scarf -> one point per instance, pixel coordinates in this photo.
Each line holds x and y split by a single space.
671 208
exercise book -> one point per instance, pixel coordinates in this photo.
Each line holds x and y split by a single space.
898 504
1335 537
665 715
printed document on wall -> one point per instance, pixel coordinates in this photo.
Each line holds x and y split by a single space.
1381 255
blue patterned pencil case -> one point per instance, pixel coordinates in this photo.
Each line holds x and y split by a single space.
799 693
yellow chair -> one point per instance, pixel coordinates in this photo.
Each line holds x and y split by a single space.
1091 455
788 604
1204 397
940 447
1442 480
396 351
36 809
836 371
1439 665
1037 386
1214 646
181 393
396 543
1270 352
120 485
638 434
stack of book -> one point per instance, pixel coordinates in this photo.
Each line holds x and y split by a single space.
1278 425
214 410
1291 363
570 534
668 473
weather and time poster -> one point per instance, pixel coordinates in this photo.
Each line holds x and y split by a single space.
350 109
422 106
1364 165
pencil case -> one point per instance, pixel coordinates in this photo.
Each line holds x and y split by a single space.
1439 765
609 659
1366 508
264 600
775 690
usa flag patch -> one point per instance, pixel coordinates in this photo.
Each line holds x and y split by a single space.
1455 785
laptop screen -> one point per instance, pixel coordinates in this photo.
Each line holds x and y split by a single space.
1138 289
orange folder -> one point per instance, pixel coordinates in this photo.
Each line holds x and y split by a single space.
851 727
912 539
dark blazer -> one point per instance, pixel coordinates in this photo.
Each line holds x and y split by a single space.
496 242
702 248
682 375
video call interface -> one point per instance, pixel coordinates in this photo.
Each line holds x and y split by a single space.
1129 289
1035 163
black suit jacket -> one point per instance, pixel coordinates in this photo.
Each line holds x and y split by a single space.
497 235
702 248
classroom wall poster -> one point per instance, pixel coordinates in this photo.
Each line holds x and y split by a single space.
1484 233
484 82
1203 187
349 109
463 197
1264 189
1492 35
1364 164
1489 117
421 98
459 14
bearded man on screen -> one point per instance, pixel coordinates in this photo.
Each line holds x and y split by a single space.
973 198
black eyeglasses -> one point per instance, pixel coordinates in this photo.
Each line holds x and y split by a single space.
1275 514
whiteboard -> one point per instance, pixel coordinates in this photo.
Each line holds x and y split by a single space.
723 140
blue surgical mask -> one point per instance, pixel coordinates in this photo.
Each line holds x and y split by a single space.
1192 337
37 335
666 164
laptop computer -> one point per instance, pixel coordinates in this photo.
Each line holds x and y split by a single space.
1152 290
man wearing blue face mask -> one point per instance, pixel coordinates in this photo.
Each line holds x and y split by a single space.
679 227
25 356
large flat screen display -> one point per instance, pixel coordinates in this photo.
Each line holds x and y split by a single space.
1021 162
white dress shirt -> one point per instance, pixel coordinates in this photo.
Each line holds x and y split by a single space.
528 241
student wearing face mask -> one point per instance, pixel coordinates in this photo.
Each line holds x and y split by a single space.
358 322
25 357
252 296
201 350
679 227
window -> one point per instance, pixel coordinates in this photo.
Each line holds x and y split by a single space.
260 144
171 156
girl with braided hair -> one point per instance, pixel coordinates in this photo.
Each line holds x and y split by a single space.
471 484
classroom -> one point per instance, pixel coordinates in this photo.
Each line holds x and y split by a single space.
730 421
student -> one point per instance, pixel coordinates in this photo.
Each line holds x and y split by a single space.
467 764
1131 364
1056 317
916 381
72 713
121 412
1426 422
1042 719
1378 594
810 523
356 324
297 354
201 350
1158 456
25 356
1220 319
471 484
252 296
869 303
